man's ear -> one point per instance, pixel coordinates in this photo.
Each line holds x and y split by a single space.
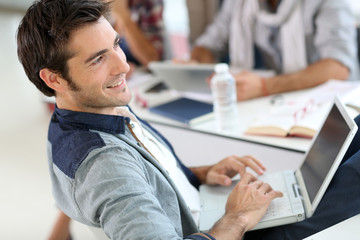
52 80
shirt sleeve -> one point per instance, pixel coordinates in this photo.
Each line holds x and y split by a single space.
216 36
113 191
199 236
335 35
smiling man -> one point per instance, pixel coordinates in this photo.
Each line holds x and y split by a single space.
111 170
108 168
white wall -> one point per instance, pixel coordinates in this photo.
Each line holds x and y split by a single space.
175 16
355 5
177 29
17 4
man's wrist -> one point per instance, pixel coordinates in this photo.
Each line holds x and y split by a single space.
229 227
201 173
264 88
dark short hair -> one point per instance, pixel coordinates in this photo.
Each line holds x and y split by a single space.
44 32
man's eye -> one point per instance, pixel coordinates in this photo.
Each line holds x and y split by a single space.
117 43
98 60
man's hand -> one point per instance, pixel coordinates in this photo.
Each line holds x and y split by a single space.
202 55
246 205
248 86
250 198
222 172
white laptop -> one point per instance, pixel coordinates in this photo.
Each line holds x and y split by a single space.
304 188
184 77
191 78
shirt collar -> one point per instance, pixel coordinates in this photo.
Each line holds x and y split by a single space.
101 122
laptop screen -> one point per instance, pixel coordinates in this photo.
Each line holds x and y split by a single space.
324 151
184 77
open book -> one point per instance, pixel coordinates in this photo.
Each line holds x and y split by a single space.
303 116
301 119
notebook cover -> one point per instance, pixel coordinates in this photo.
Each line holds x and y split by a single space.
183 109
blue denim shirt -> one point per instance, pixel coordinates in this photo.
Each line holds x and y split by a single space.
103 177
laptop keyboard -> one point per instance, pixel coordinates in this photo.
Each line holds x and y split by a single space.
279 206
213 199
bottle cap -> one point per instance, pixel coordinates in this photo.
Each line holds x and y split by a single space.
221 68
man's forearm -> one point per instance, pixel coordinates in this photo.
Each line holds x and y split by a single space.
141 47
311 76
229 227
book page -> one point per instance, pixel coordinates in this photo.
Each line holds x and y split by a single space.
308 124
277 122
327 91
296 118
302 116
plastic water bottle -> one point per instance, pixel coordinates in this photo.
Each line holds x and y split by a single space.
224 96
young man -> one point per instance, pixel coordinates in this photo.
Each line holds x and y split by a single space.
304 42
108 168
111 170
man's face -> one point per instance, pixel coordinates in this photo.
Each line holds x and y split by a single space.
97 70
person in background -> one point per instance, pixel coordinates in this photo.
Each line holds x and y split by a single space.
141 28
201 13
304 42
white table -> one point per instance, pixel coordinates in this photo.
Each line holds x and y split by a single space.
201 145
248 111
348 229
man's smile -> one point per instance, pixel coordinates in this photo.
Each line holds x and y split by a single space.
120 84
116 84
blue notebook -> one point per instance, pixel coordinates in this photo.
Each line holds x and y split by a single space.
185 110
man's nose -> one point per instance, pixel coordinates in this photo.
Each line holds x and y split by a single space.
120 64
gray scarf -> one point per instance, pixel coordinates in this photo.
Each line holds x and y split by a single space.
288 17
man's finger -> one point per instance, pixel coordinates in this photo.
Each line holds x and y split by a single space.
267 189
250 162
221 179
247 178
